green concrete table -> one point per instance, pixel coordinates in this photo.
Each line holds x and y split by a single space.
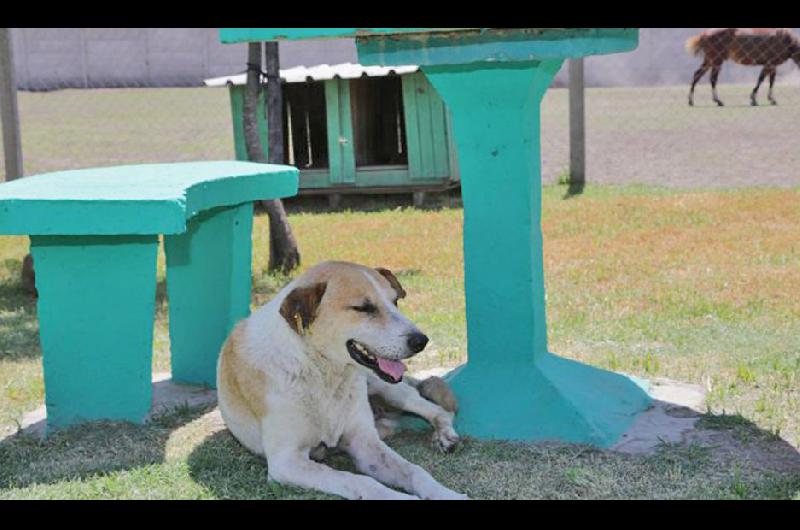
94 238
492 82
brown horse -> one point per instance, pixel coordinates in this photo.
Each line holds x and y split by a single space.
768 47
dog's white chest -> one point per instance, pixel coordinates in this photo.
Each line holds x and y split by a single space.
332 407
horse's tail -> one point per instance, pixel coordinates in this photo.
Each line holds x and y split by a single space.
693 44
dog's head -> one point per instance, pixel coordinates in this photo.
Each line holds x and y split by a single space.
349 313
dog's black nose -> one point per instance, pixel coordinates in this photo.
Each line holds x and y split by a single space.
417 342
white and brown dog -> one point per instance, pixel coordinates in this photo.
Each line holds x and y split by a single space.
300 372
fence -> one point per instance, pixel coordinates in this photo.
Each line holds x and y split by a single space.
641 129
144 103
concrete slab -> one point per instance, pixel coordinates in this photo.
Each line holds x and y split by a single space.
166 396
676 408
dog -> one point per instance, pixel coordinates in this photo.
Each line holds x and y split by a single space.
298 374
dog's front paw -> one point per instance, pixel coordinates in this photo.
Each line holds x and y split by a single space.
445 437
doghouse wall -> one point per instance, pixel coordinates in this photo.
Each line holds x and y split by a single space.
429 151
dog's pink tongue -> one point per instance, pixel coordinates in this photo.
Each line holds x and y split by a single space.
393 368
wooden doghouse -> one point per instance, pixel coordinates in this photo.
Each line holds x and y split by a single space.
358 129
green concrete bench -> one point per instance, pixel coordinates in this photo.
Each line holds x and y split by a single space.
94 238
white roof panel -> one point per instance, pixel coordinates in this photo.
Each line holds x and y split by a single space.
320 72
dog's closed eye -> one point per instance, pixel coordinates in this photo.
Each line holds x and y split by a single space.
366 307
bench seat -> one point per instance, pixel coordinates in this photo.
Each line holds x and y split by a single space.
94 239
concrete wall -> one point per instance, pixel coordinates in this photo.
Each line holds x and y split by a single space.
52 58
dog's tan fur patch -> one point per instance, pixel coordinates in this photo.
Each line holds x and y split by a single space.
393 281
300 307
437 390
245 385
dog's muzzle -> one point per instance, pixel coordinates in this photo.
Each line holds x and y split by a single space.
389 370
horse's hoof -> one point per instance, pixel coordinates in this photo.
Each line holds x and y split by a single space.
691 103
773 102
720 104
753 103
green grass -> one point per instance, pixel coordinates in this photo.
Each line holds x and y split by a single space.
691 285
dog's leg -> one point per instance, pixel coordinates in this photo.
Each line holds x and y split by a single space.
405 397
293 467
378 460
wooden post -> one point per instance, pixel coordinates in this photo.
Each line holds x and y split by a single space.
12 142
274 94
577 129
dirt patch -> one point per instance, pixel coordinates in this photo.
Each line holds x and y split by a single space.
754 452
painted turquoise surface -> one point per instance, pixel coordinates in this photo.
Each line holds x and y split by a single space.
137 199
430 46
495 45
232 35
96 309
208 284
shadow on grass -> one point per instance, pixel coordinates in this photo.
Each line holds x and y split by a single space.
574 189
748 464
19 327
230 471
88 451
434 201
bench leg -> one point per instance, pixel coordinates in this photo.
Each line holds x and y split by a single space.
96 309
208 285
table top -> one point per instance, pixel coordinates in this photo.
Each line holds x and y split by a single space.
454 46
231 35
135 199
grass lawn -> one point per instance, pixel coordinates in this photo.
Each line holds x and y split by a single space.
699 286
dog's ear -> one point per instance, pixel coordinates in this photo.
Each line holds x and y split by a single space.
393 281
299 308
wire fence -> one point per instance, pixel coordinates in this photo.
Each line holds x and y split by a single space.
641 129
94 97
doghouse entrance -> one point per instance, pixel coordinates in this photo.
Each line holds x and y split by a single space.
305 127
379 129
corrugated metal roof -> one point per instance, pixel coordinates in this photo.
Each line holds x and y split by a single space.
320 72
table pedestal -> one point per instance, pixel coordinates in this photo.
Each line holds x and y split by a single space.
512 387
96 305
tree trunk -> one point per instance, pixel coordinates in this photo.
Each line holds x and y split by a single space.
283 253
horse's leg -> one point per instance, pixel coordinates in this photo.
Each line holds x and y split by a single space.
714 75
772 73
761 77
697 75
